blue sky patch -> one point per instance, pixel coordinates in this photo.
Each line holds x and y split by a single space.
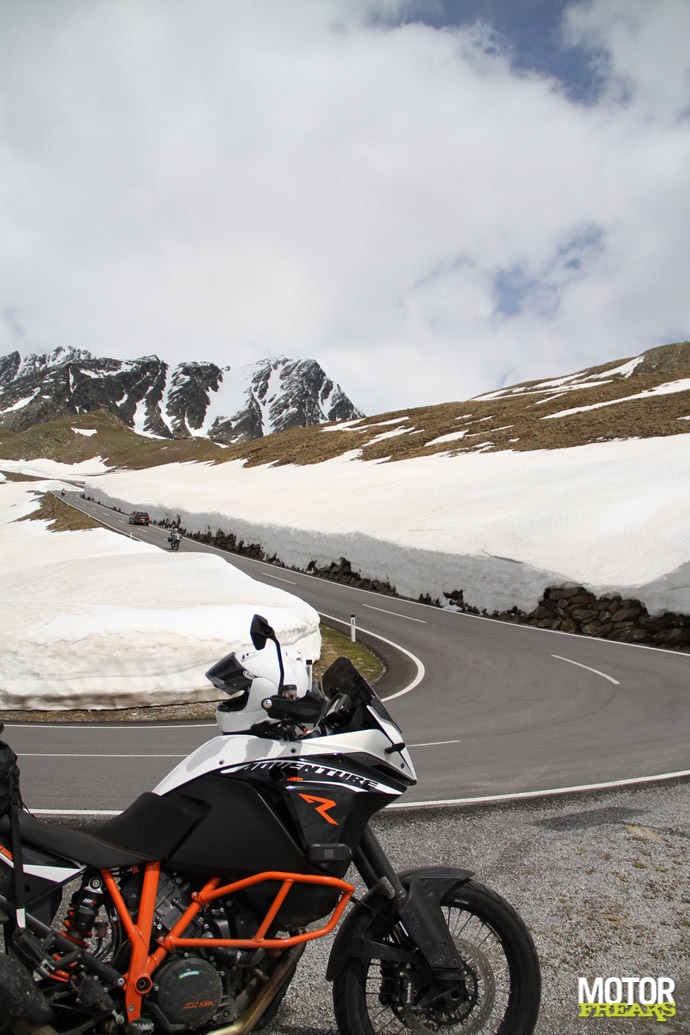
531 34
517 287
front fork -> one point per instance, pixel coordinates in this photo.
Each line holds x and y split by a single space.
417 901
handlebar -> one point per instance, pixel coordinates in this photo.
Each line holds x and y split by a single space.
295 709
310 709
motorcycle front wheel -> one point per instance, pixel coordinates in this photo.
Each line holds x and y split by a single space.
499 992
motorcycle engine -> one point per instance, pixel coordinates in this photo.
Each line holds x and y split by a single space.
188 991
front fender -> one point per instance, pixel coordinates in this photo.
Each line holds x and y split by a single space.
351 939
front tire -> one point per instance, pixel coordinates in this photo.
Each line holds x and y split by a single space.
502 984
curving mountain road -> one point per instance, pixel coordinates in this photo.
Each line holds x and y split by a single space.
497 709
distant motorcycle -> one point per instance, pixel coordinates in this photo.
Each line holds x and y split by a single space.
174 540
189 911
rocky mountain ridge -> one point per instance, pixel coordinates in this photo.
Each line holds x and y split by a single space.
639 397
193 399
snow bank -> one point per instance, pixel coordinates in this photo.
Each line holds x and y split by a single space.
500 526
94 619
54 469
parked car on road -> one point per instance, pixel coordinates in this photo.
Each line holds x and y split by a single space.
139 517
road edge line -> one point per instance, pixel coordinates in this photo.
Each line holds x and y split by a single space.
419 664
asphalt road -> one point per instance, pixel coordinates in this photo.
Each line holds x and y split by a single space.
489 708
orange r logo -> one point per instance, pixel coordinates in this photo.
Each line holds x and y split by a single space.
323 808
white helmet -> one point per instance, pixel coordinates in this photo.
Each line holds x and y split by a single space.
249 679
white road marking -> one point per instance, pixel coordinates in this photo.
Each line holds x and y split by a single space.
395 613
434 743
546 793
88 726
76 812
485 799
594 670
421 671
268 575
67 754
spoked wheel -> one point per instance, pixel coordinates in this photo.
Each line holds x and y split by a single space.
498 993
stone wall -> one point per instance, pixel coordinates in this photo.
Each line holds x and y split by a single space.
575 609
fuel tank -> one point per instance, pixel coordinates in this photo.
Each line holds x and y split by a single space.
296 815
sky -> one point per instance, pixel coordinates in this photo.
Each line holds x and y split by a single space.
433 199
114 620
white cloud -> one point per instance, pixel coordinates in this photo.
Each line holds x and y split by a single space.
643 51
230 181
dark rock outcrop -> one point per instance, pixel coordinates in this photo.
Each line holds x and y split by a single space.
192 399
575 609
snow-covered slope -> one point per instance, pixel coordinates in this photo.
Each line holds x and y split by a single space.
93 619
498 523
498 526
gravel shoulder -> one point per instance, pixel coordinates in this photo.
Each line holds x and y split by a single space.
602 880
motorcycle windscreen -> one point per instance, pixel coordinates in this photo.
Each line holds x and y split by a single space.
369 712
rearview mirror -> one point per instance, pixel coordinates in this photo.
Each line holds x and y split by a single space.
260 631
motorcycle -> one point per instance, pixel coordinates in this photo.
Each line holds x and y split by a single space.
174 540
189 911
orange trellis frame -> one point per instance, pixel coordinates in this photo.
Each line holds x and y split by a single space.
143 963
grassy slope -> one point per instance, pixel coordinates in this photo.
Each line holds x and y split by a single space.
514 421
60 516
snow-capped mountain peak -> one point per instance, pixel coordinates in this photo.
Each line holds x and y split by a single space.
227 404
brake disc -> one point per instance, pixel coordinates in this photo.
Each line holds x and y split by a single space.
466 1017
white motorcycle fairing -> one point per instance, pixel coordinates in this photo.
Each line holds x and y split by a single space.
230 752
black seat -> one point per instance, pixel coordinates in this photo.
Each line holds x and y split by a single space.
149 829
73 844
